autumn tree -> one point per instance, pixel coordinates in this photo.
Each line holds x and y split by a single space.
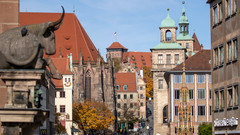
92 116
117 64
60 129
148 78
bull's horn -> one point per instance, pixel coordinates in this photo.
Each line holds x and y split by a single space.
58 22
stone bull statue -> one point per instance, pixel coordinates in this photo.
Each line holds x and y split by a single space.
22 47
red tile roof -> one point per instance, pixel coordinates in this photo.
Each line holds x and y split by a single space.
128 79
198 62
140 59
196 44
116 45
71 37
62 65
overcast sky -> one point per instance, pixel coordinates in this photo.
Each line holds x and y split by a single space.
135 21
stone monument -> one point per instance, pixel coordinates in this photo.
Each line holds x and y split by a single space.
30 92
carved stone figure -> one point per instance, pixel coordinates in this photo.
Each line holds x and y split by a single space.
22 47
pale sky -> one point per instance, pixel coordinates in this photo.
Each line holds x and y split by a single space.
135 21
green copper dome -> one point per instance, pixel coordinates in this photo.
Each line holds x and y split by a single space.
168 22
183 18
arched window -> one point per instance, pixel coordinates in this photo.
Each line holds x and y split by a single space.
165 114
168 35
88 85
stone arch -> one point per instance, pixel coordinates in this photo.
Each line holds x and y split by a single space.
168 35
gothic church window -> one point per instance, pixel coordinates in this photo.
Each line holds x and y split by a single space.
88 85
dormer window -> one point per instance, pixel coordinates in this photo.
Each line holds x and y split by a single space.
168 35
124 87
118 87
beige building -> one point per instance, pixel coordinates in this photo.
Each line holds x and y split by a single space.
171 51
198 81
165 56
131 93
225 31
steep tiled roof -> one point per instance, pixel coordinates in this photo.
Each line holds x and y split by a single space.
196 44
116 45
62 65
198 62
128 79
71 37
140 59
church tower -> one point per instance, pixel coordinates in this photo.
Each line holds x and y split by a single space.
184 39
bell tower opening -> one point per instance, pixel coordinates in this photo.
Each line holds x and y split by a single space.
168 35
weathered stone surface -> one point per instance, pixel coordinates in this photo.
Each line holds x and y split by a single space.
22 47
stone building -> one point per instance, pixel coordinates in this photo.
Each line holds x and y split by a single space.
116 50
225 27
131 93
171 51
92 75
165 56
198 81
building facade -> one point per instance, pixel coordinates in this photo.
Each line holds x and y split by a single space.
165 56
198 82
64 93
225 27
171 51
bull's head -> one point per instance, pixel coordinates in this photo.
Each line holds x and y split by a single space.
45 33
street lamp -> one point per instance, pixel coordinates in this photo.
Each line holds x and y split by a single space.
148 129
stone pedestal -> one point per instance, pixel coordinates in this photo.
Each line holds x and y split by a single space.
20 114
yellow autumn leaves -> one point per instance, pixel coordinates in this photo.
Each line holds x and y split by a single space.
92 115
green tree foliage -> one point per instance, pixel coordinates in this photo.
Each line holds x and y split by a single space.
59 128
205 129
117 64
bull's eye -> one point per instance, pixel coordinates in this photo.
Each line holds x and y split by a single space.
47 33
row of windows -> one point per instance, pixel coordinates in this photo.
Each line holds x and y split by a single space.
189 78
232 97
230 9
201 110
62 94
130 105
124 87
125 96
168 58
201 94
62 108
231 53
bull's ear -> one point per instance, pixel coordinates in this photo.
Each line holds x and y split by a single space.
24 31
